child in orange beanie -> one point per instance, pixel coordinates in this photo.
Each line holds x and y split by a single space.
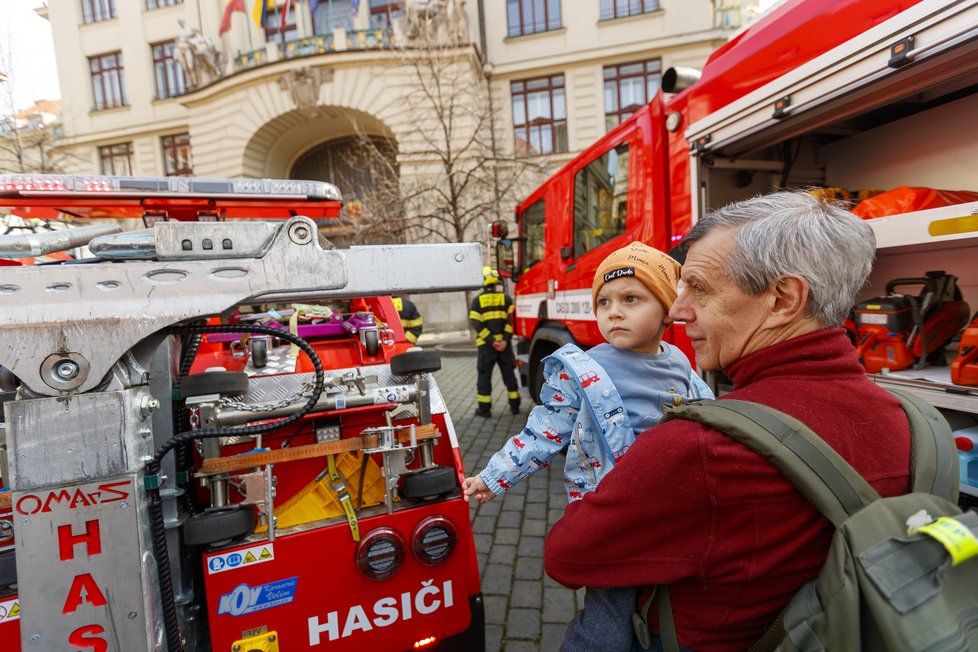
596 403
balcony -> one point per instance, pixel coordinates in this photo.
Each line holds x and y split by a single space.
339 40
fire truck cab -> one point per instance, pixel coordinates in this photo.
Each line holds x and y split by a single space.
635 182
216 434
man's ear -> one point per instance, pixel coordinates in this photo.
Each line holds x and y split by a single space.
790 298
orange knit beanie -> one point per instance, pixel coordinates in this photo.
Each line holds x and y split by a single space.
654 269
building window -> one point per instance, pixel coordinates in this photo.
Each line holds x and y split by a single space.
601 200
167 70
539 116
332 14
159 4
116 159
383 13
627 87
281 27
108 81
95 10
532 16
176 155
621 8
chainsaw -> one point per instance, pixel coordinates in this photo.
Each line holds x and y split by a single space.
900 331
964 369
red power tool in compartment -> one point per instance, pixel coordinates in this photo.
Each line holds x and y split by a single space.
964 369
899 331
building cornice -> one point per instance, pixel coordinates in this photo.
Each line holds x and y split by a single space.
604 53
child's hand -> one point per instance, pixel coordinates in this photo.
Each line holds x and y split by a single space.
474 487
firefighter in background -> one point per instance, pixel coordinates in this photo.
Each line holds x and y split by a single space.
410 318
489 316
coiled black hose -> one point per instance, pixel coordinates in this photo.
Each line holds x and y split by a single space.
157 523
184 452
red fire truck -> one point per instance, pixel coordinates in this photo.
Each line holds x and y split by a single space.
773 108
217 436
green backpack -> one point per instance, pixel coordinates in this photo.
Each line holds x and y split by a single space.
880 588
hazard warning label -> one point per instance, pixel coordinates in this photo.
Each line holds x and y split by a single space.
10 610
240 558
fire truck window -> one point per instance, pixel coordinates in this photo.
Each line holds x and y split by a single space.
601 200
533 232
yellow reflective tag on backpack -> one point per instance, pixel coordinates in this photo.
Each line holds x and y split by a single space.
958 539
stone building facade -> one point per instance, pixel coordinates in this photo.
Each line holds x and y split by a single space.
162 87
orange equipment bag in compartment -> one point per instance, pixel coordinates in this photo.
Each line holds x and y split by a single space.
907 200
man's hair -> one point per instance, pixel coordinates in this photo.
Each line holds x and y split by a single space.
796 234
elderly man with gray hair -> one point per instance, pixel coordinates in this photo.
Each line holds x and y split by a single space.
765 287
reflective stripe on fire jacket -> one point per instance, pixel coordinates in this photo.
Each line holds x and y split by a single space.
594 431
489 316
410 318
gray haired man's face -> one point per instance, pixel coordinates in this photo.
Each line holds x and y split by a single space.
723 323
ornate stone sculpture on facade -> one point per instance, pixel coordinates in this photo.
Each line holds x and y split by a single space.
439 21
199 58
303 84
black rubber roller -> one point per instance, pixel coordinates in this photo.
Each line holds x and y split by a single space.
415 362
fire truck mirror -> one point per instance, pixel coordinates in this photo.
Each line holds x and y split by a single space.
499 230
506 259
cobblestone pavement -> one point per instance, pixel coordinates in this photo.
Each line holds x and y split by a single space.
525 609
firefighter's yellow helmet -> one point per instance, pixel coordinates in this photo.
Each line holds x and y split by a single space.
489 276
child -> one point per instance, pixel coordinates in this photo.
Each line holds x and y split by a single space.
594 404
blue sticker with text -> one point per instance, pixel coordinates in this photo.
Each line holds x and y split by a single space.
246 599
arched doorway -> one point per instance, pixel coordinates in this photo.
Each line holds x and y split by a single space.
365 170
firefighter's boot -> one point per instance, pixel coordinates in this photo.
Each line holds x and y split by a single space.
514 405
483 411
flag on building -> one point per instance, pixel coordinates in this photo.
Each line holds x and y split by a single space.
284 17
312 7
233 6
259 13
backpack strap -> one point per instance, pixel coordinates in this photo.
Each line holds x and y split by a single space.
820 474
933 456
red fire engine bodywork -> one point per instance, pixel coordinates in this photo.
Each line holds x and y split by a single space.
659 204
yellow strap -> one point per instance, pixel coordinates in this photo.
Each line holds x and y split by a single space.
953 535
338 484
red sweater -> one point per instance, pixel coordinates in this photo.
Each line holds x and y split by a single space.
689 507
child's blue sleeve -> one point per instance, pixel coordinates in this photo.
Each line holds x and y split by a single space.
699 389
547 432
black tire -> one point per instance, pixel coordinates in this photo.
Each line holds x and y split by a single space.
371 342
535 377
415 362
429 483
225 383
259 353
221 524
8 568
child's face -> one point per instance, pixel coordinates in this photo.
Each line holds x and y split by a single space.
629 316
